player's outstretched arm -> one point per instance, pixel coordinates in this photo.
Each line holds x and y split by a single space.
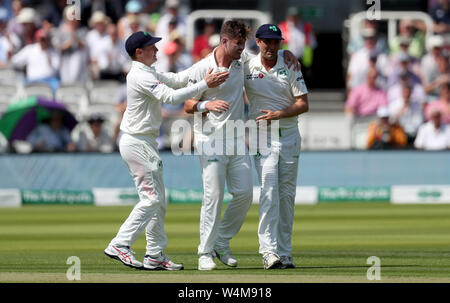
299 107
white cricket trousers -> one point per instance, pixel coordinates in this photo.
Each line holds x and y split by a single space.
140 154
236 171
277 175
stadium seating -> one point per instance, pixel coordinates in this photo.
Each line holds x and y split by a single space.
104 92
75 97
108 111
39 90
8 93
8 76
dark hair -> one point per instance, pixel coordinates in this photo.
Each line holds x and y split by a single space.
235 29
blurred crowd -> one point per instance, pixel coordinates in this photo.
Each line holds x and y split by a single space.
403 84
61 45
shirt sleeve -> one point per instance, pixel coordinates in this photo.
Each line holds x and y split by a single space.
247 56
175 80
298 85
20 59
167 95
195 76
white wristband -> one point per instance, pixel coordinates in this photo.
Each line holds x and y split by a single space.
201 106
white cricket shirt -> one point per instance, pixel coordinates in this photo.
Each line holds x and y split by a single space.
232 91
274 90
144 96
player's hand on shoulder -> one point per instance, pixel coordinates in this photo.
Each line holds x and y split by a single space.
290 60
217 106
215 79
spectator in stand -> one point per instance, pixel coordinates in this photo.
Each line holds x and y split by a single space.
365 99
8 42
357 43
435 81
395 92
130 22
298 35
112 61
52 135
71 44
92 136
405 66
163 29
14 26
201 43
429 62
40 60
443 104
112 8
396 59
27 18
408 114
55 11
179 58
96 39
360 61
414 31
433 135
385 135
441 17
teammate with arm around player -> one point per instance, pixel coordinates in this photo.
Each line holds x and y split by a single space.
276 93
138 148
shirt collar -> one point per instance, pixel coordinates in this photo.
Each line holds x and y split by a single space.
213 59
142 66
259 66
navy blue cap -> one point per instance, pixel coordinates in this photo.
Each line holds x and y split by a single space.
139 40
269 31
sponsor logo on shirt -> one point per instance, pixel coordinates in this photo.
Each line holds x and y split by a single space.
192 81
254 76
299 78
154 86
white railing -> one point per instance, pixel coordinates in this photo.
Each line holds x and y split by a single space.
392 17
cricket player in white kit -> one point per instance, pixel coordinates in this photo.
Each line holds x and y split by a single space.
228 166
139 150
276 92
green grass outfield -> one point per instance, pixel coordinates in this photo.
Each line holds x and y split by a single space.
331 243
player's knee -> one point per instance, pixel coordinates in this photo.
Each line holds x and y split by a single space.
243 195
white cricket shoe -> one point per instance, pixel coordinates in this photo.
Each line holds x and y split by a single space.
206 262
271 261
160 262
225 256
287 262
124 254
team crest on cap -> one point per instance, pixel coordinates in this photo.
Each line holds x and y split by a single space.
273 27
